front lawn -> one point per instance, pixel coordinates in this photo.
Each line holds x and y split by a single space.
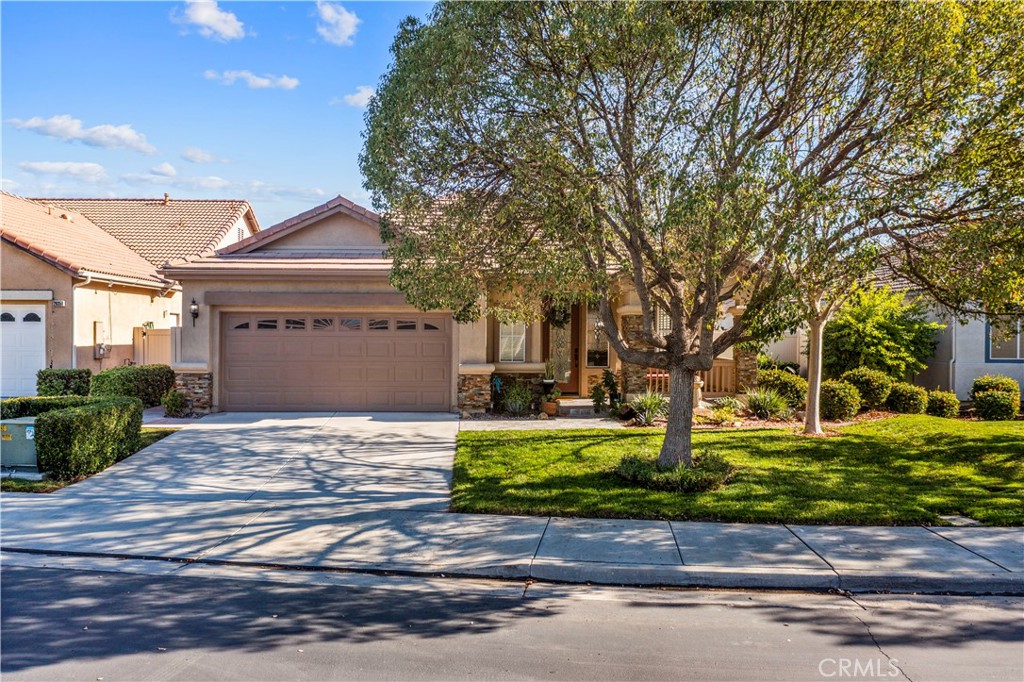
901 470
16 485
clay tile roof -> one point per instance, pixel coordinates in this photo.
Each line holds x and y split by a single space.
70 241
885 276
159 231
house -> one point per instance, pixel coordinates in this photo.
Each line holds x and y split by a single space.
79 285
964 351
301 316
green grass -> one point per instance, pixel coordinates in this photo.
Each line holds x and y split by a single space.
902 470
16 485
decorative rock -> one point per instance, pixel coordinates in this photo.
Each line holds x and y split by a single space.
542 416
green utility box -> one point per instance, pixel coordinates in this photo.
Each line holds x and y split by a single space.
18 442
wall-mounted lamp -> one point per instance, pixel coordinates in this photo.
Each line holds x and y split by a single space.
194 310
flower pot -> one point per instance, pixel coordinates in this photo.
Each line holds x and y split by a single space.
550 409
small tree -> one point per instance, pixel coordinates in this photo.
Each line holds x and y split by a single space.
879 330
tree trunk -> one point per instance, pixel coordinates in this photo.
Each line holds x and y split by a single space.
678 446
812 419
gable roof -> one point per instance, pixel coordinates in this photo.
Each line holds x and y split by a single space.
162 230
72 243
338 204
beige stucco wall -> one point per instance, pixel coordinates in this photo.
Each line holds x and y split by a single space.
239 231
120 309
22 271
332 232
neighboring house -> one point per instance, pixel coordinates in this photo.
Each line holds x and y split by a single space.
79 279
964 351
301 316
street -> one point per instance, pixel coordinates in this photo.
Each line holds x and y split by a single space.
103 619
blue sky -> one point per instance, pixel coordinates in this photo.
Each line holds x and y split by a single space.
255 100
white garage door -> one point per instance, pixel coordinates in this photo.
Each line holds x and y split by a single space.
336 361
23 344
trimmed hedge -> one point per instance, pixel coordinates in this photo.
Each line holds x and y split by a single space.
874 386
148 383
995 382
63 381
792 387
839 400
907 398
78 441
997 405
943 404
13 408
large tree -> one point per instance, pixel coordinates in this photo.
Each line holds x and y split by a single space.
530 151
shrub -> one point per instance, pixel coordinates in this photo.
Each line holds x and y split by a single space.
873 385
997 405
517 398
175 404
720 414
995 382
839 400
765 362
791 387
12 408
63 381
648 406
611 385
731 402
767 403
907 398
148 383
710 471
598 397
943 404
77 441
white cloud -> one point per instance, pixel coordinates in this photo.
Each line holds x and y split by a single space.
268 190
165 170
359 99
199 155
337 25
209 182
9 185
83 171
252 80
67 128
211 20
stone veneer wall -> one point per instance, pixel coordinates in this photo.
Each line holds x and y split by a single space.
197 387
746 369
533 380
474 393
633 376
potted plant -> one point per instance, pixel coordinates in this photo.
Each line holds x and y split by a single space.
550 404
549 380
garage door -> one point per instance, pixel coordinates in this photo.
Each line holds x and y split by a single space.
23 344
336 361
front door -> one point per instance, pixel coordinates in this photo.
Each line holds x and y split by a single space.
564 353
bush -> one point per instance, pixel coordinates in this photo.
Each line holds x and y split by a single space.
943 404
13 408
765 362
175 404
997 405
995 382
874 386
710 471
731 402
78 441
63 381
839 400
907 398
648 406
598 397
767 403
148 383
517 398
791 387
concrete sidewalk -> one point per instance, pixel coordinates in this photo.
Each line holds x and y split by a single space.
370 493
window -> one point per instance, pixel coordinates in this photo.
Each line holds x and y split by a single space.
378 325
351 324
7 317
512 342
597 340
430 327
405 325
323 323
295 323
663 321
1007 345
31 317
266 324
243 325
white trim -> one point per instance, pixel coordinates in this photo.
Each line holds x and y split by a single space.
26 294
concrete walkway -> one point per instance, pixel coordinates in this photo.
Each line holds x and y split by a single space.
370 493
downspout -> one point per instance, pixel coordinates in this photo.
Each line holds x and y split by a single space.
74 348
952 358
